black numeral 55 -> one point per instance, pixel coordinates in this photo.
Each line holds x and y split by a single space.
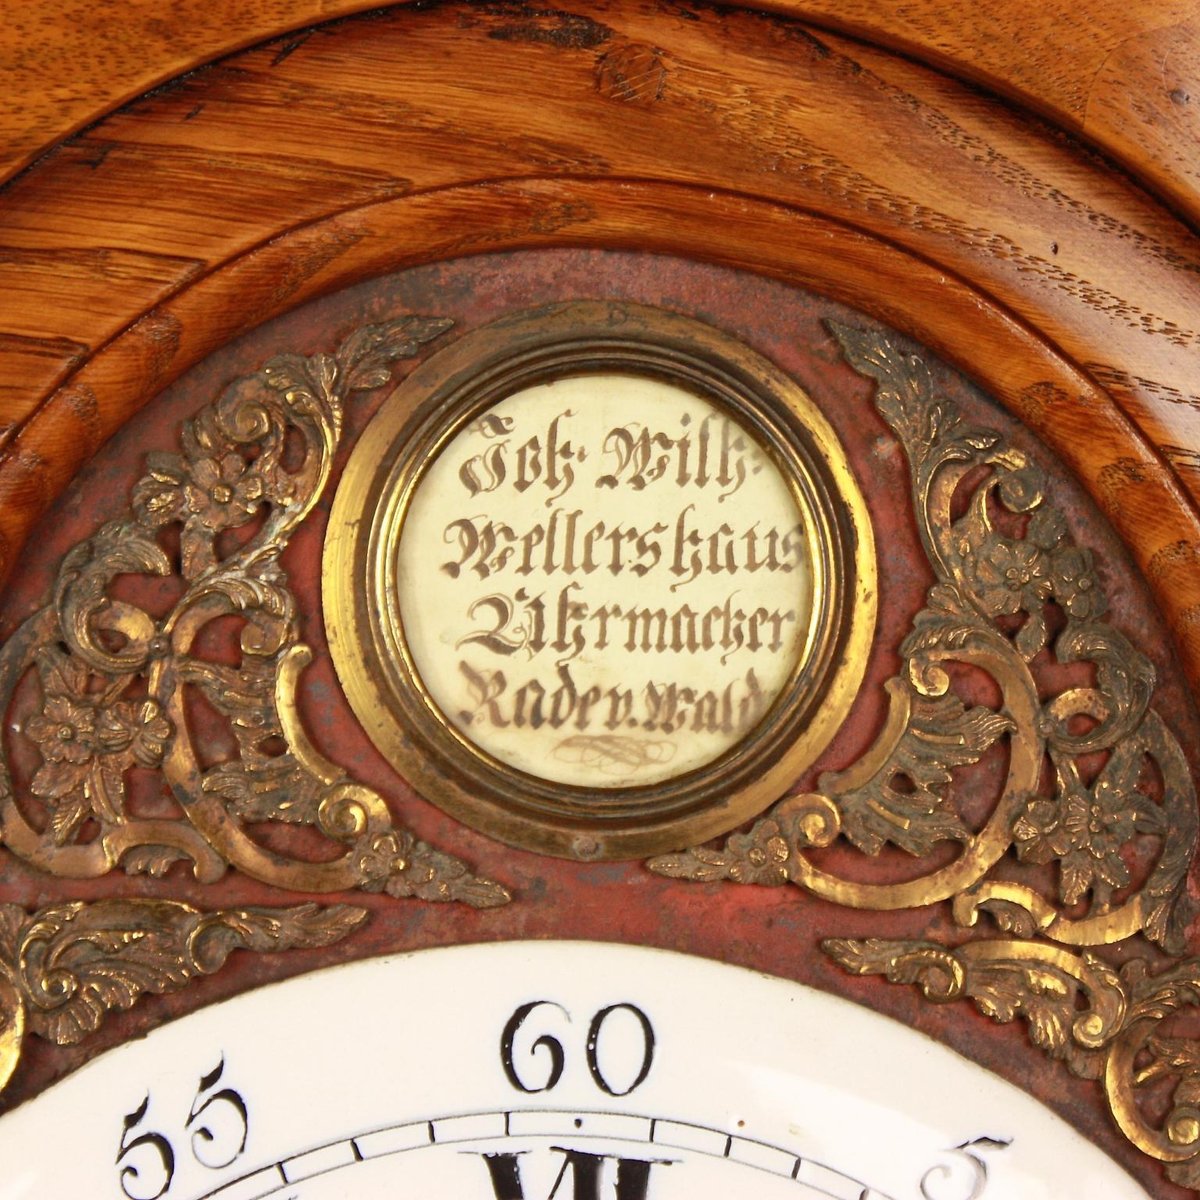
216 1130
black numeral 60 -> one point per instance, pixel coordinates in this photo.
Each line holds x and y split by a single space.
549 1057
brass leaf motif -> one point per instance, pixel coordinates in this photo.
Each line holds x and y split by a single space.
1104 1023
1003 558
941 734
1072 1004
114 676
65 967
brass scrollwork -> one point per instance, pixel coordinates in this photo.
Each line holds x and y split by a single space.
1006 567
1104 1023
117 666
117 673
1093 777
65 967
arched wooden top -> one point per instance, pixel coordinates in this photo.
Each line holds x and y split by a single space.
1124 76
193 214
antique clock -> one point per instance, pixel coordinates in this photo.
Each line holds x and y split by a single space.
624 637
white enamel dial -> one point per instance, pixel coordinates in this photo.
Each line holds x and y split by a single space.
542 1071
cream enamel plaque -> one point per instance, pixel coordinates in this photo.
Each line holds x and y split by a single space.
599 580
616 522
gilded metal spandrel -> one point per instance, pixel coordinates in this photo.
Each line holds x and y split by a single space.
65 967
1014 595
116 676
1106 1024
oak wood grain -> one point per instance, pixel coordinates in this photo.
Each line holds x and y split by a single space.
1125 76
414 100
1123 73
65 65
1077 419
137 247
292 170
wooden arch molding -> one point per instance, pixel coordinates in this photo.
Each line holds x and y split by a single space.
1076 418
414 134
1124 79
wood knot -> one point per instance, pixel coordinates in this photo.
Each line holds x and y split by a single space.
1117 479
29 488
81 401
632 73
1042 398
159 334
1178 560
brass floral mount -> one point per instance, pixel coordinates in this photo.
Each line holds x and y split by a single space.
133 648
63 969
115 677
1095 784
1085 843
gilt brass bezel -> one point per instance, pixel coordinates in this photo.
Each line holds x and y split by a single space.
365 629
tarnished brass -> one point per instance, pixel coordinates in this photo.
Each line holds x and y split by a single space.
65 967
459 389
989 609
998 581
1091 769
113 677
1104 1023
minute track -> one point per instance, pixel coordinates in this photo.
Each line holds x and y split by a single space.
554 1125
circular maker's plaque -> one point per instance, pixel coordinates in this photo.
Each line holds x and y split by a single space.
599 580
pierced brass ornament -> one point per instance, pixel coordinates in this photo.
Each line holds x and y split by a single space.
1105 1023
65 967
114 676
1093 774
999 566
